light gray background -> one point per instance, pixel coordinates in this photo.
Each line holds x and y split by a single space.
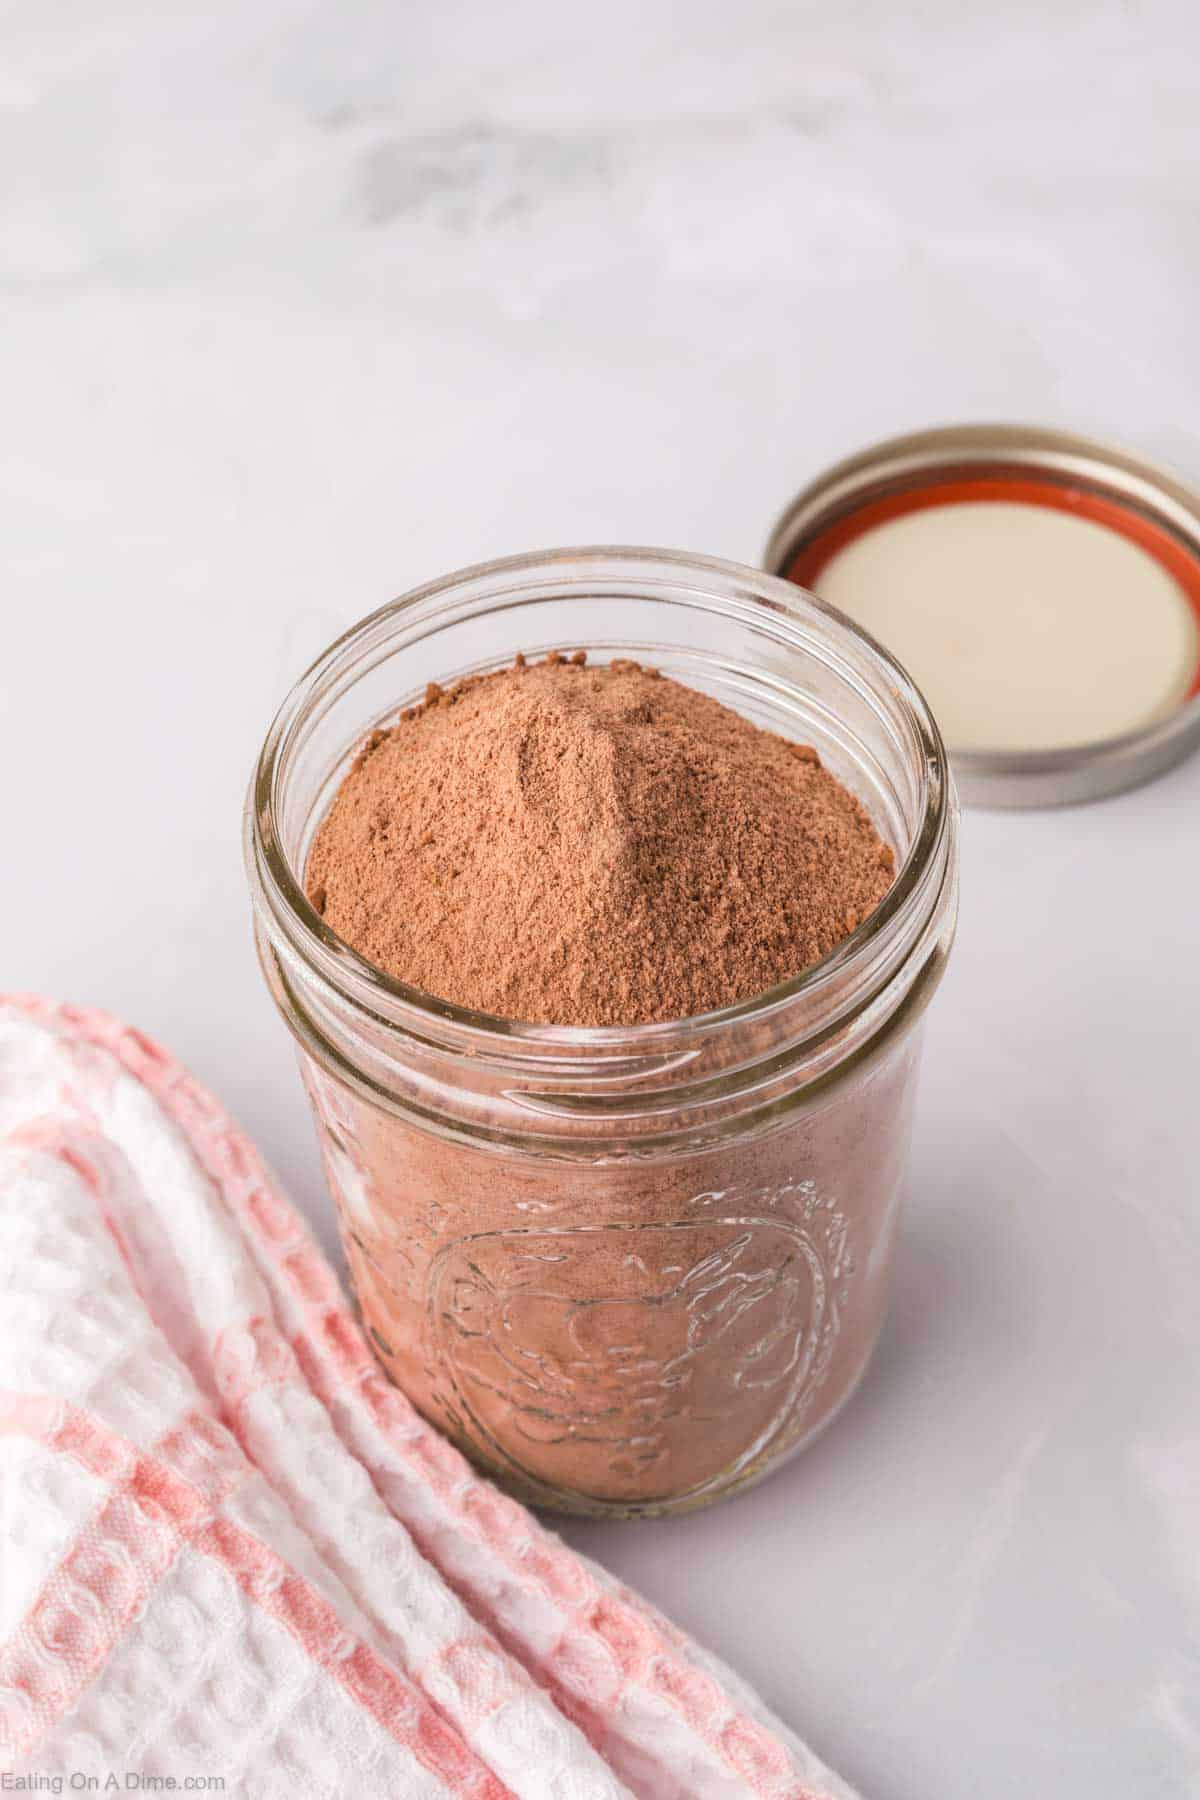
303 304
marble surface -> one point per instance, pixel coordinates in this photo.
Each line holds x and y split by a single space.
304 303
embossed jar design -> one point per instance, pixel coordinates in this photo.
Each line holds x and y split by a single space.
626 1270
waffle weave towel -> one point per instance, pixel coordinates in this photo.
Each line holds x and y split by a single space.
233 1556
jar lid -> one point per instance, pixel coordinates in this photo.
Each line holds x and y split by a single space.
1042 589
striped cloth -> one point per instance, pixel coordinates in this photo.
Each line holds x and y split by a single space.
233 1557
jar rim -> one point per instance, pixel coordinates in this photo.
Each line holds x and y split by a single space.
276 885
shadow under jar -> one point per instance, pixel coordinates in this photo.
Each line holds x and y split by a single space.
626 1270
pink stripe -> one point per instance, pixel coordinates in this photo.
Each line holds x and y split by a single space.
121 1554
55 1138
252 1355
334 1355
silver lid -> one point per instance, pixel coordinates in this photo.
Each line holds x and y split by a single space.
954 452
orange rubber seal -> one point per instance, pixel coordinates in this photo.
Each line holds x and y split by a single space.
1085 503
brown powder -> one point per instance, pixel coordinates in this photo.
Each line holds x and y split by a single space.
609 1321
576 845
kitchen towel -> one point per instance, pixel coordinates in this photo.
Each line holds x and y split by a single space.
233 1557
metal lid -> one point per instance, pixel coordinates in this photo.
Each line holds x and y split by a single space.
1152 501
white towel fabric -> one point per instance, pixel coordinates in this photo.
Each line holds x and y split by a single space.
232 1550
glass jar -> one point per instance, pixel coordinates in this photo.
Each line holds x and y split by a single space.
625 1270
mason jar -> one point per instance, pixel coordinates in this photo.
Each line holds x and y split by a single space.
626 1270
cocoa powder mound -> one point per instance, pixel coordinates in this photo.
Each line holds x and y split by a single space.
573 845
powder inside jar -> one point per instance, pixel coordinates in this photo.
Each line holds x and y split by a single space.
564 844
